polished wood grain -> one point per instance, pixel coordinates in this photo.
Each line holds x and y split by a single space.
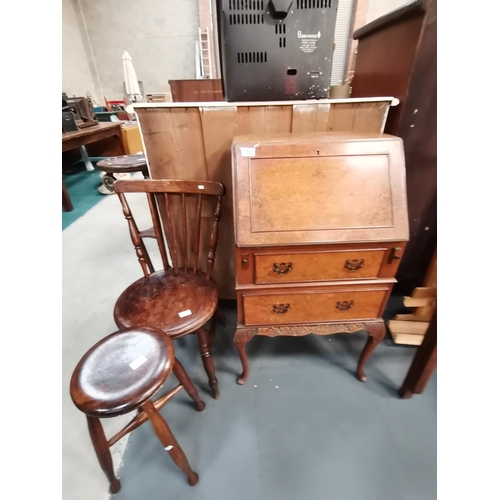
123 164
320 228
193 141
157 300
181 298
312 305
310 257
103 453
317 266
131 388
376 333
171 186
188 385
205 346
350 187
169 442
120 374
375 330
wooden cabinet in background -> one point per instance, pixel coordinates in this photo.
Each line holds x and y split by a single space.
193 141
397 56
203 90
321 225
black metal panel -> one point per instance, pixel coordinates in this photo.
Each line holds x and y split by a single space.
275 50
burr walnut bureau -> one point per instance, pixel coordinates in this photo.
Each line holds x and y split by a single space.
320 228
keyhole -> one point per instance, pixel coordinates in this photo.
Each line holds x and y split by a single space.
317 152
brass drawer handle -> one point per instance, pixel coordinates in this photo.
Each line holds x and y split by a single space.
344 305
282 268
393 255
355 264
281 308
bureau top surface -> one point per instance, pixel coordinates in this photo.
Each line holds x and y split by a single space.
313 188
316 137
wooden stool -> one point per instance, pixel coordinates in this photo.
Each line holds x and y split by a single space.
122 373
121 165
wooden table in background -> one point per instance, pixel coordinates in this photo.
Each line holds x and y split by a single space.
111 132
109 137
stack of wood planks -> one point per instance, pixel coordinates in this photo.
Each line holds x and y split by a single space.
410 329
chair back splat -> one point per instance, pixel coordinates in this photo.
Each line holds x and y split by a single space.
185 217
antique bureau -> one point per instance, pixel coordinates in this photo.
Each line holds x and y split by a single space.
320 228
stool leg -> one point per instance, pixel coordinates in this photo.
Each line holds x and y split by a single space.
102 451
188 385
169 442
208 362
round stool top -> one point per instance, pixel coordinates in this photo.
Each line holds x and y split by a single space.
125 163
122 371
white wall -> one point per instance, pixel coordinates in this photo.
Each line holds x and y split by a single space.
378 8
76 73
159 35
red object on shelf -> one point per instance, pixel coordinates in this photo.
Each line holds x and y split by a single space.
122 115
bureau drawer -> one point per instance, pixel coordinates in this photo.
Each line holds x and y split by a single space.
317 266
318 263
313 305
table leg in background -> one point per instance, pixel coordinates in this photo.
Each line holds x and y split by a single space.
66 200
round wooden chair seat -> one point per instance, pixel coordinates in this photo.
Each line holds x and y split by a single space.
122 372
170 300
123 164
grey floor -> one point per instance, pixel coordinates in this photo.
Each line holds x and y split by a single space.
303 426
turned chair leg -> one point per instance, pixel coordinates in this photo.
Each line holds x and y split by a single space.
208 362
188 385
169 442
102 451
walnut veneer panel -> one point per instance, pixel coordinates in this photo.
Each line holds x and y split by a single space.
319 188
312 305
288 267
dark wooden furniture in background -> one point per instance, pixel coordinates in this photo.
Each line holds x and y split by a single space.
122 373
423 365
181 299
66 200
120 165
189 141
397 56
108 135
411 328
320 228
205 90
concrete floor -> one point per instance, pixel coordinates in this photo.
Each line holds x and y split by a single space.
302 427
